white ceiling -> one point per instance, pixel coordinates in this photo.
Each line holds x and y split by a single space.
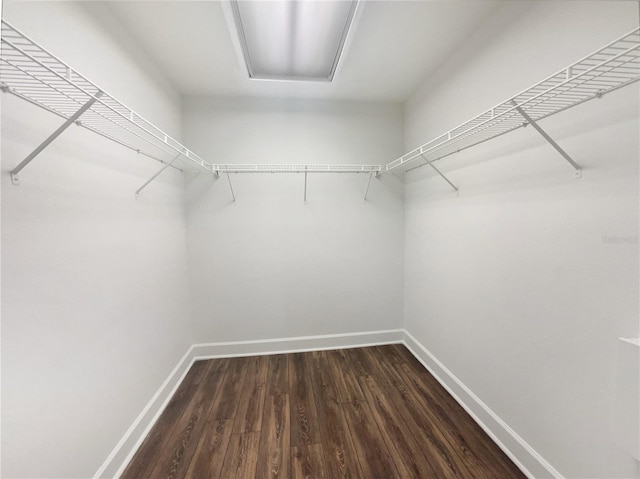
393 48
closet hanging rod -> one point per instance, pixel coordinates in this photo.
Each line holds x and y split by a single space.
613 66
286 168
32 73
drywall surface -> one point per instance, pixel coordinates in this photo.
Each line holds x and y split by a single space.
271 265
522 284
95 304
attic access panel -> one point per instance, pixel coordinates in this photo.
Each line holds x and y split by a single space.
285 40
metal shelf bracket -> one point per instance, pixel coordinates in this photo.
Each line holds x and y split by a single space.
167 165
544 134
305 184
231 188
70 121
440 173
368 184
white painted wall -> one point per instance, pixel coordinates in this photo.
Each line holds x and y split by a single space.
271 266
522 284
95 304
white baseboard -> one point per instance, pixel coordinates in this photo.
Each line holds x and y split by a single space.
532 464
297 345
123 452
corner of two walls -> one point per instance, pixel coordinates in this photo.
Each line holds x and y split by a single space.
518 289
95 307
269 266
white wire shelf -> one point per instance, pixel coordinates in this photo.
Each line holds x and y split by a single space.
271 168
32 73
609 68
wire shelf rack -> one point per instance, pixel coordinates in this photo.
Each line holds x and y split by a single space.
32 73
609 68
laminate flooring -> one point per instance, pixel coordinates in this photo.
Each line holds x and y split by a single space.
371 413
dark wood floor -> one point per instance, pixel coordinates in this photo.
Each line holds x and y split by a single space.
371 413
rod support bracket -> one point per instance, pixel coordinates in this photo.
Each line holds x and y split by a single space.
368 185
15 180
233 195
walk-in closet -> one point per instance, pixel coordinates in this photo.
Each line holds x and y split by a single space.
320 239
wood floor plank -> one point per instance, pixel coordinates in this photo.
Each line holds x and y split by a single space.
403 447
341 461
359 362
373 454
241 457
150 452
347 386
278 376
209 455
198 371
251 405
304 417
320 370
307 462
151 449
275 442
441 447
226 401
179 450
391 352
187 438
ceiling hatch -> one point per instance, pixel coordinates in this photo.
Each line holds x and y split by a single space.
299 40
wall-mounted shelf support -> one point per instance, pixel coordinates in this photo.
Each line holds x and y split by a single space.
440 173
231 188
72 119
158 173
368 184
544 134
305 185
